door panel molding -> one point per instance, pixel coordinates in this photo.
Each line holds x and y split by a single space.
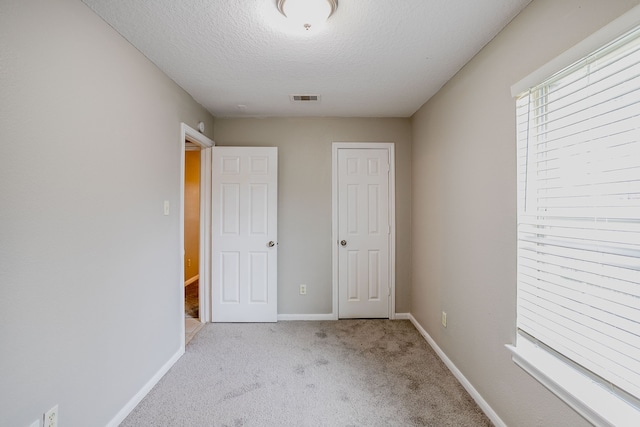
335 244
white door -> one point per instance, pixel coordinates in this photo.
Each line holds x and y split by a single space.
244 234
363 233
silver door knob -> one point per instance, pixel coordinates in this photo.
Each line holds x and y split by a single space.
271 244
343 242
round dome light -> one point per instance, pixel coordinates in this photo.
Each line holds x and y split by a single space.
307 13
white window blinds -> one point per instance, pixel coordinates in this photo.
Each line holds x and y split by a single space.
579 215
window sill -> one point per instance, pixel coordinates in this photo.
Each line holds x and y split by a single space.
590 399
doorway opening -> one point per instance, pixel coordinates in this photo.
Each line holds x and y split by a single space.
191 225
195 232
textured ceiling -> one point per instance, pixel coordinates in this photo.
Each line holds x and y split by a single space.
373 58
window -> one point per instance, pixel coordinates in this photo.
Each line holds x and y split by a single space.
578 304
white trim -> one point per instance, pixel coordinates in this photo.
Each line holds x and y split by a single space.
191 280
204 290
192 135
334 231
488 410
314 317
187 133
606 34
390 146
328 316
593 401
137 398
392 236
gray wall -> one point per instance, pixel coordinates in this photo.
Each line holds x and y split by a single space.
464 206
89 149
89 265
304 193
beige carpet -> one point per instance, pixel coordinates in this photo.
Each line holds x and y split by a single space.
344 373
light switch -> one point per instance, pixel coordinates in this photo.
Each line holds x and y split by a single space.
166 207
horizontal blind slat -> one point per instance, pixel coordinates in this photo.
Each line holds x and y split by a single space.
624 315
565 105
574 259
603 254
589 279
590 333
580 224
629 238
573 77
589 348
562 342
582 107
612 213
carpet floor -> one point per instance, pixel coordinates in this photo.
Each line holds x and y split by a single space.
343 373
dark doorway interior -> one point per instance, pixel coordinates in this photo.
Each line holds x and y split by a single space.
191 301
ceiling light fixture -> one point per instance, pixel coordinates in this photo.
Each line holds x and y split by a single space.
307 12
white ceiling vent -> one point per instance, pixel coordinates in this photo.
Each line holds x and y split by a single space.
305 98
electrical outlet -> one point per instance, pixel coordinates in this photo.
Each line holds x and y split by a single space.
51 417
188 262
444 319
303 289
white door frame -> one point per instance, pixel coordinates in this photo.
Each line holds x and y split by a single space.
187 133
392 218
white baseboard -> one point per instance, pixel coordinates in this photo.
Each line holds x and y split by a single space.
329 316
135 400
285 317
489 412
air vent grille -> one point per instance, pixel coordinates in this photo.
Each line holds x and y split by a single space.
305 98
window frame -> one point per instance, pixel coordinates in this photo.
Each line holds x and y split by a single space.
587 394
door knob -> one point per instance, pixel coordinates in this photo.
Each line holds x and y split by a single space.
343 242
271 244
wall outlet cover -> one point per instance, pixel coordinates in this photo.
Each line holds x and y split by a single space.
51 417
